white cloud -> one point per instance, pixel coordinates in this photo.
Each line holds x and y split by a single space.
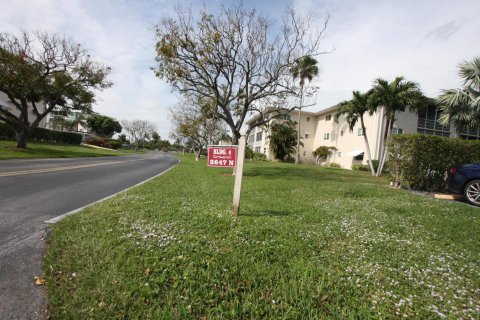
422 40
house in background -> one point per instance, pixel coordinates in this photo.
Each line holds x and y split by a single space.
52 120
321 129
59 117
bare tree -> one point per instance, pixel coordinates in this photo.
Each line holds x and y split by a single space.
195 126
139 131
236 59
40 71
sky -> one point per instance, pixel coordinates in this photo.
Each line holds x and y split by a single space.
421 40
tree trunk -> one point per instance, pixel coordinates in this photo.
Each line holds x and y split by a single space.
385 148
297 155
367 146
22 136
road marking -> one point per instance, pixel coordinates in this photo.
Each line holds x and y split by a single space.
62 216
23 172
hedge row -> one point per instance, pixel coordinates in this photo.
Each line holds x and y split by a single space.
104 143
42 135
423 162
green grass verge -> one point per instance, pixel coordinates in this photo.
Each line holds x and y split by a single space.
42 150
310 243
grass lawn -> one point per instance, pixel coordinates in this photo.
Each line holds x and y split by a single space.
42 150
310 243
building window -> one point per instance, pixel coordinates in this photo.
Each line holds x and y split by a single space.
308 119
360 132
285 117
307 135
259 136
257 149
470 133
339 154
428 123
250 138
401 109
328 117
265 150
304 153
341 133
397 131
326 136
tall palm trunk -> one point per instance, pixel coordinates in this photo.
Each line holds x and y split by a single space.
385 147
297 155
367 146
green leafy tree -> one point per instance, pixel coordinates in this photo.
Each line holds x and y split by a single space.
353 111
393 97
122 138
103 126
249 153
304 68
39 72
462 106
236 59
323 152
283 140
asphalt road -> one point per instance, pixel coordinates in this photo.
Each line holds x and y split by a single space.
34 191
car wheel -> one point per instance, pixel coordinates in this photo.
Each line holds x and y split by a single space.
472 192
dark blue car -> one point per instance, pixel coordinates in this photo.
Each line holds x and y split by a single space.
465 179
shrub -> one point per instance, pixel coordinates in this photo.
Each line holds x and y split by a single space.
104 143
259 156
248 152
423 161
43 135
114 144
375 166
6 132
360 167
334 165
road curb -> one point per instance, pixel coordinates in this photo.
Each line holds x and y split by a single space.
62 216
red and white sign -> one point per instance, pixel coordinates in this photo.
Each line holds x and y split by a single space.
222 156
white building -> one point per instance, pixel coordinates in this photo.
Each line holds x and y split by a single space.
49 121
320 129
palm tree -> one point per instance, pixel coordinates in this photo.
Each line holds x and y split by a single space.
462 106
305 68
283 139
353 111
394 96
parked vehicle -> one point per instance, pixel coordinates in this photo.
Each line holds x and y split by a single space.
465 179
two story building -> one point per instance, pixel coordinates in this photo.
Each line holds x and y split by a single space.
320 129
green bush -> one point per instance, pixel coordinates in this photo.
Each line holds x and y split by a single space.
114 144
258 156
248 152
360 167
104 143
6 132
375 166
334 165
423 162
42 135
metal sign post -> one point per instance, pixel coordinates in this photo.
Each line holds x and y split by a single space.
238 176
